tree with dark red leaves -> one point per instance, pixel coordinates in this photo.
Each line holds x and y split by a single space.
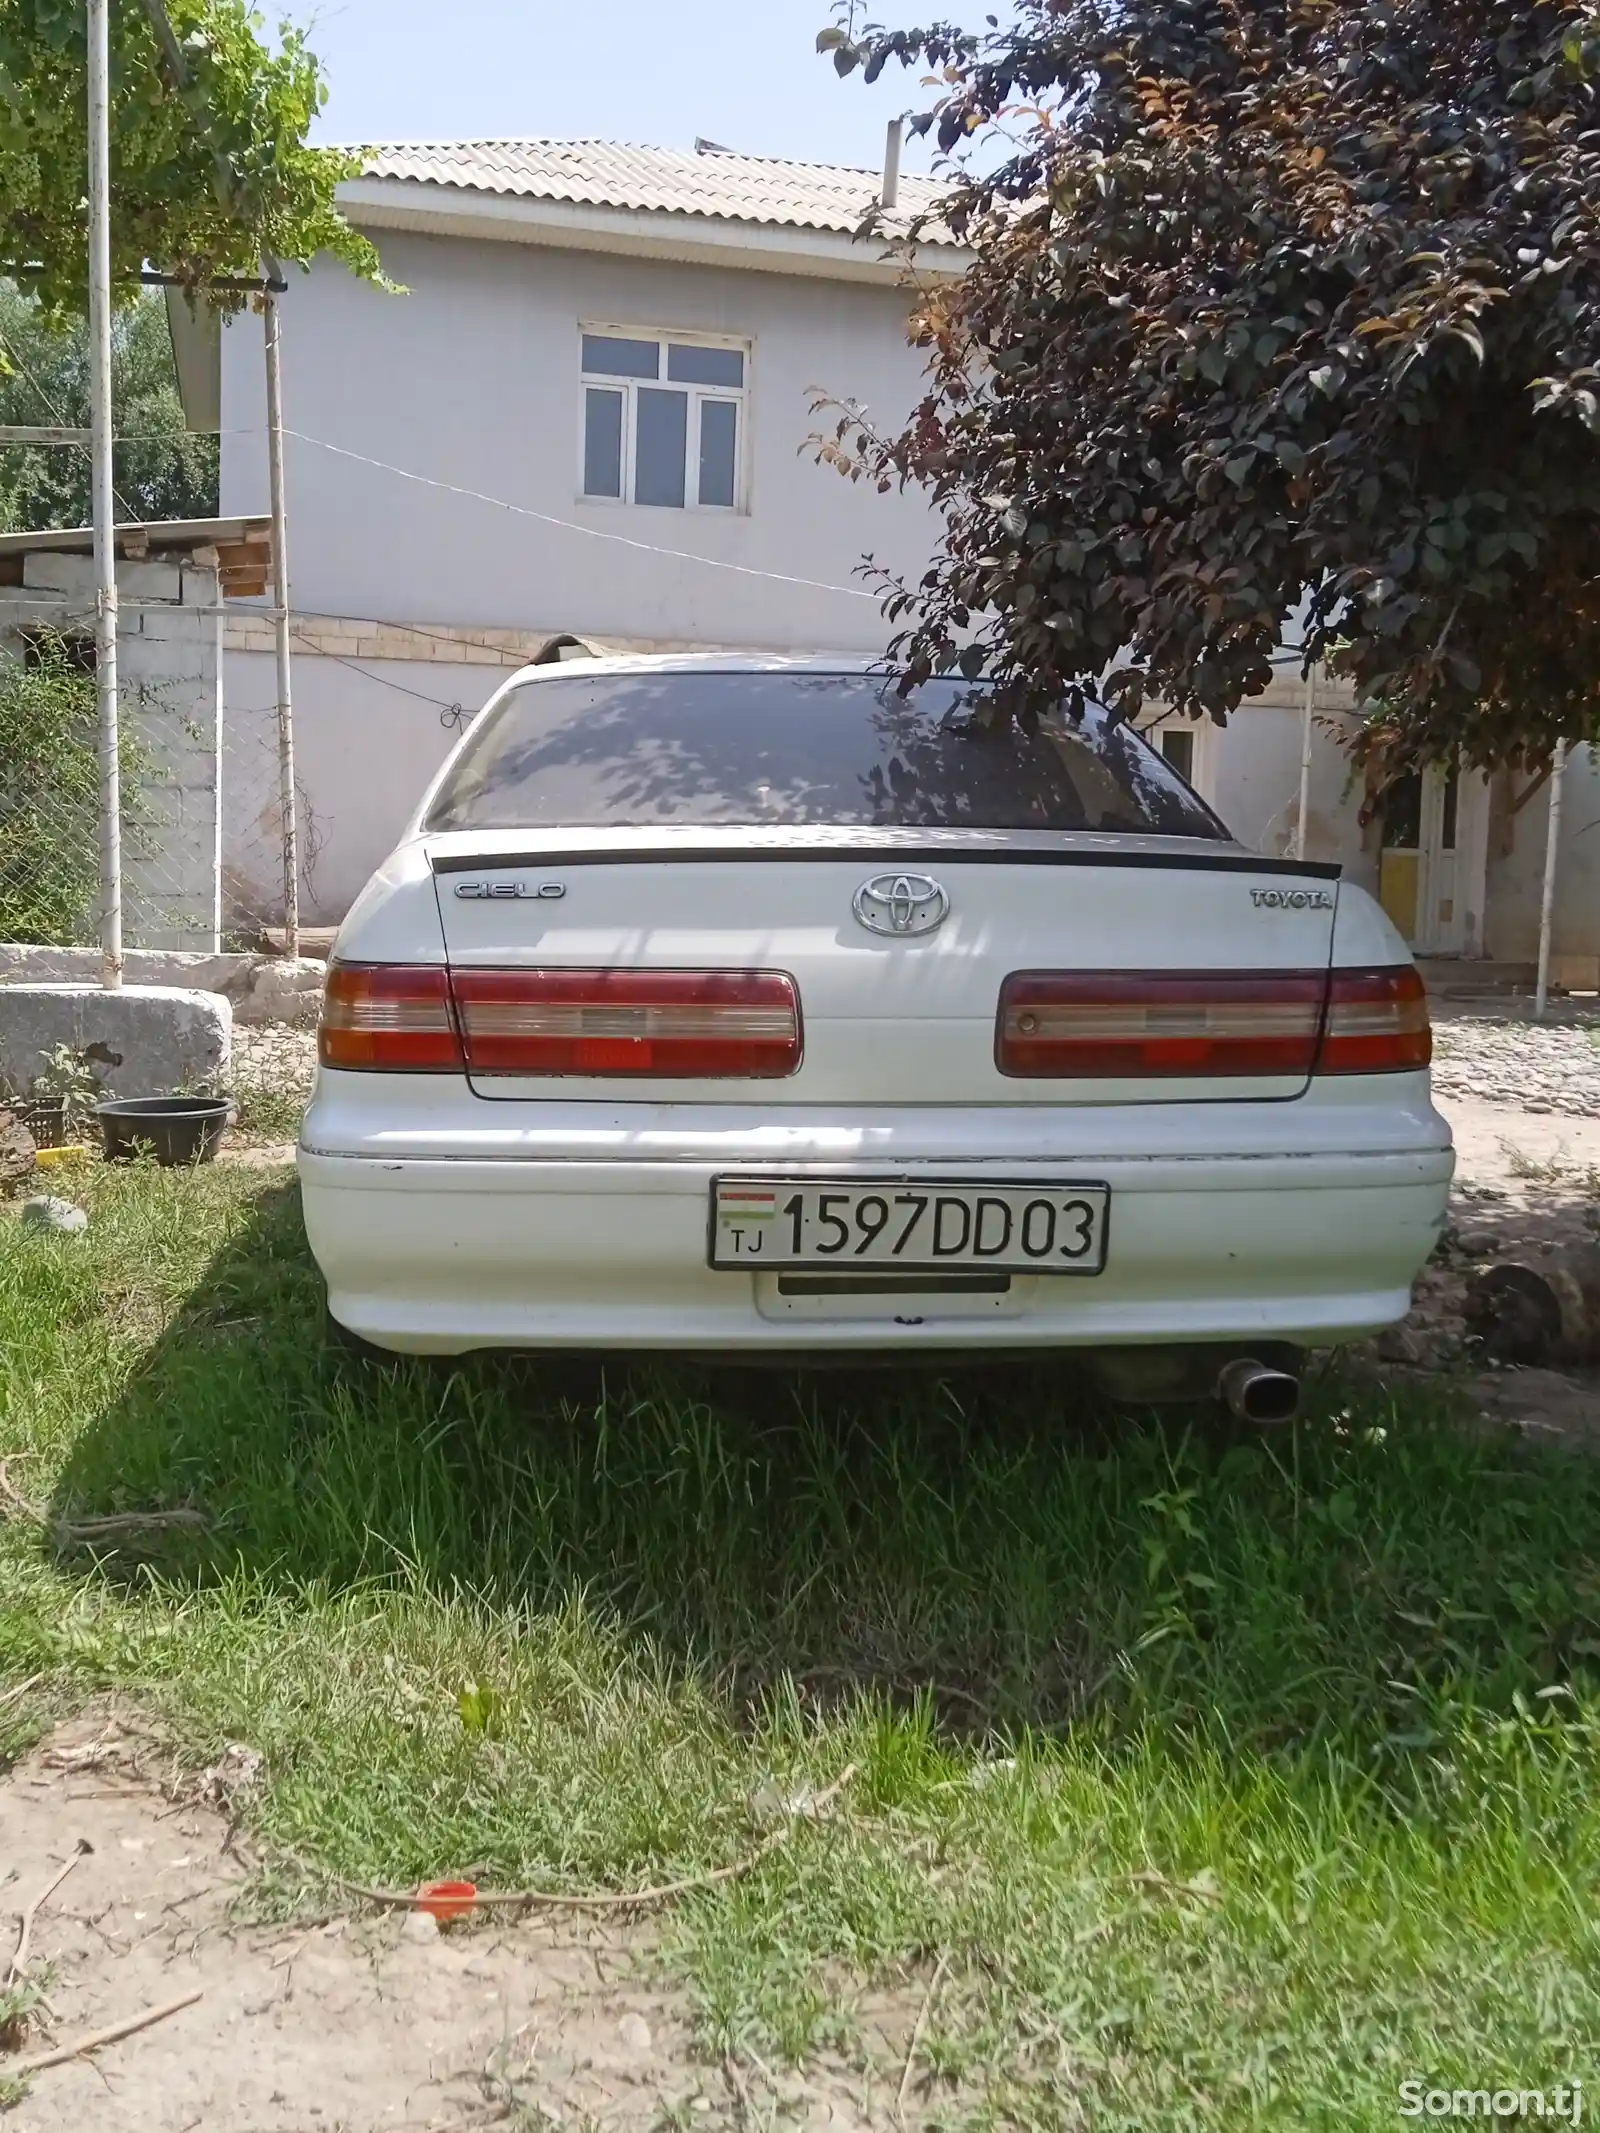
1281 320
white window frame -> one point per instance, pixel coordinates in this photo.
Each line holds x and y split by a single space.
1206 735
601 381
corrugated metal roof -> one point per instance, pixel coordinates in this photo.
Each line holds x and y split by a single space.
714 183
160 533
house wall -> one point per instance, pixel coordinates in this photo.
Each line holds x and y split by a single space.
471 379
367 742
1250 772
167 658
1516 872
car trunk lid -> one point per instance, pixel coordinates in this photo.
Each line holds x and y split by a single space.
890 1012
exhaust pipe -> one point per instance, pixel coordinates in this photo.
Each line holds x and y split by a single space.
1256 1393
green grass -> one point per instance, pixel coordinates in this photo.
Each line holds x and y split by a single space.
1238 1781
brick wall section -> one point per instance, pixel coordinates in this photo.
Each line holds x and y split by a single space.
440 643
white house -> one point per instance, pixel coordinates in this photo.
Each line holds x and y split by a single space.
583 413
1457 859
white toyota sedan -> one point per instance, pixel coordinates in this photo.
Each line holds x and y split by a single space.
743 1006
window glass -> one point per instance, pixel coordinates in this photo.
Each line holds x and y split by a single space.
609 357
1402 814
791 750
1177 746
602 443
719 439
1452 799
704 366
658 473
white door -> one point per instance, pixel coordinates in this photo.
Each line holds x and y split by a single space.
1440 910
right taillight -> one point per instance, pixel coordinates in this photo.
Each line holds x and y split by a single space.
1377 1022
1138 1025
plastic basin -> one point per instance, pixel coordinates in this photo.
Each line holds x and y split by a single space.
176 1130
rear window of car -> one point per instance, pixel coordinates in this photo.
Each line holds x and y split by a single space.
637 751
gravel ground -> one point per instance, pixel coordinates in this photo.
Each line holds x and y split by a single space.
267 1056
1523 1064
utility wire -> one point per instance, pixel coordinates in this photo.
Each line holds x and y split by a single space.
454 710
567 525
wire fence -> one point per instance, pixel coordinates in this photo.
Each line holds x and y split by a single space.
202 814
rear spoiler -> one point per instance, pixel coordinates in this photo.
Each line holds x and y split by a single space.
1198 861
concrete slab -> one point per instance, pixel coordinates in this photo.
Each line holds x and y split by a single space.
147 1040
262 988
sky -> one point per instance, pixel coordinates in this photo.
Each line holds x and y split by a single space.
655 72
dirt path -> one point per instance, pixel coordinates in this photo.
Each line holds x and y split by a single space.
345 2026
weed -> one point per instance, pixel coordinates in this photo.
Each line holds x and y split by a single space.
1551 1169
268 1114
17 2003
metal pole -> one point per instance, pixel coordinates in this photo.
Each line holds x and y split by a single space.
1547 903
220 627
1303 813
105 541
280 600
889 192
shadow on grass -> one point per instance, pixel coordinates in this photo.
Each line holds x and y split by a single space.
978 1538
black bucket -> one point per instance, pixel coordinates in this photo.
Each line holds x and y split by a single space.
174 1129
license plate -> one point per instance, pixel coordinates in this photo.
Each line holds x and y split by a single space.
765 1225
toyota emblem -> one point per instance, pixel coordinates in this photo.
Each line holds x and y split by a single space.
901 904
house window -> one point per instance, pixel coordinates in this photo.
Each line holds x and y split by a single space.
1177 745
663 421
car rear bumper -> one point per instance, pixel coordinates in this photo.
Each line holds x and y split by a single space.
583 1226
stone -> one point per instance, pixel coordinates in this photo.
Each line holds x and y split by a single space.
1514 1314
1538 1315
49 1213
420 1926
278 989
17 1150
262 988
634 2031
146 1040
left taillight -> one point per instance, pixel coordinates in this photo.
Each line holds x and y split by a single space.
686 1025
389 1018
692 1025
